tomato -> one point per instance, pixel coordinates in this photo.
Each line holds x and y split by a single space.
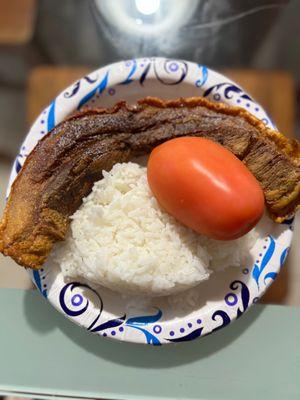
205 187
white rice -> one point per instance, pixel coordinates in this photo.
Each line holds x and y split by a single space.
121 238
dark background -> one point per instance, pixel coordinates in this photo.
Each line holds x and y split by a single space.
220 33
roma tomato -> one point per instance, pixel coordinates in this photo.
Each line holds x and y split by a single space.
205 187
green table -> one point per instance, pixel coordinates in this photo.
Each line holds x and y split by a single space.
43 354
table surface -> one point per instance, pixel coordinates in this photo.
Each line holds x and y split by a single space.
257 357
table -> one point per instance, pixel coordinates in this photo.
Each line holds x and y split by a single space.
257 357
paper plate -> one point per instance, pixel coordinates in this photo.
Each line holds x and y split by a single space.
216 302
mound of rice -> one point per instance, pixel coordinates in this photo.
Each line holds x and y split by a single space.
122 239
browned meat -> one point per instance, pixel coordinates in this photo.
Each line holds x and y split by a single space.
62 168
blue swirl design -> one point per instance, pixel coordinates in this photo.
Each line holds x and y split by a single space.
18 165
138 322
38 283
182 66
79 309
131 72
98 89
227 89
66 309
108 324
150 338
99 313
257 270
145 320
133 68
89 79
225 319
18 160
170 67
77 85
245 294
191 336
74 90
283 256
145 72
51 117
204 76
270 275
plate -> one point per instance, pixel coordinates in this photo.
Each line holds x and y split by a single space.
197 312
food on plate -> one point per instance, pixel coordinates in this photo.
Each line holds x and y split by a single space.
64 165
205 187
121 237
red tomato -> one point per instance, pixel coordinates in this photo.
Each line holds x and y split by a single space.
205 187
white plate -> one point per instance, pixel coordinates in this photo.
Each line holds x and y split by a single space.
221 299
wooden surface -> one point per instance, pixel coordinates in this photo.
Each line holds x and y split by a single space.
17 21
274 90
